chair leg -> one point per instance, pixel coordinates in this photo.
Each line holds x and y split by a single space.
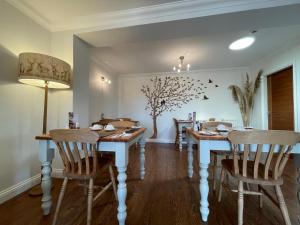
215 167
260 197
60 198
112 177
221 184
240 203
282 205
90 202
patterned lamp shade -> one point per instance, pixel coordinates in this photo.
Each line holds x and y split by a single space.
38 69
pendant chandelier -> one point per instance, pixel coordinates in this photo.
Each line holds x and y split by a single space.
181 66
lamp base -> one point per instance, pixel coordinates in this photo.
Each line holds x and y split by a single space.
37 190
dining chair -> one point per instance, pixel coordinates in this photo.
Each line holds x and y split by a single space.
78 151
212 126
123 124
177 131
256 169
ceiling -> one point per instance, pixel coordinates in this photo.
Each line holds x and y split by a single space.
203 41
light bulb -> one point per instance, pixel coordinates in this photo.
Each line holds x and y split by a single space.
178 70
242 43
179 65
174 68
109 81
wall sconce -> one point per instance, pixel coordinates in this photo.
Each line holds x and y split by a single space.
103 79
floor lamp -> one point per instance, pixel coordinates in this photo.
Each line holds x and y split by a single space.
47 72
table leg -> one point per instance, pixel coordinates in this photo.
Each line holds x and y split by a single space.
142 158
46 187
180 137
190 156
121 164
204 160
298 180
46 154
122 193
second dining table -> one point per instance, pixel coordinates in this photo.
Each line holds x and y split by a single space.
205 144
115 142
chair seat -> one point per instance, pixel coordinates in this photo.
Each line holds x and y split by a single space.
228 165
102 163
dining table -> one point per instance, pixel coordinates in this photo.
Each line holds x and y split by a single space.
205 144
115 142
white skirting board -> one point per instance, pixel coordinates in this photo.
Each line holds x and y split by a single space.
157 140
16 189
19 188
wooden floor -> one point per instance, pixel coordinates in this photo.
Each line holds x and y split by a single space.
165 197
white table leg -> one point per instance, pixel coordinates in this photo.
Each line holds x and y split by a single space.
142 158
190 156
180 137
204 160
121 163
122 193
46 187
46 155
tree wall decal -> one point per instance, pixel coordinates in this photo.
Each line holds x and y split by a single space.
169 93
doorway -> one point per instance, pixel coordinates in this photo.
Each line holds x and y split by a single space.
281 100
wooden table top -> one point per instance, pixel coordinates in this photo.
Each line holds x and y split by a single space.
199 136
105 136
185 121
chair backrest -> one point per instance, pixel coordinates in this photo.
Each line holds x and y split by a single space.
123 124
71 143
104 121
258 141
212 125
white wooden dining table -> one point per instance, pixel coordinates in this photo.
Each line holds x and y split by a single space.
120 146
205 144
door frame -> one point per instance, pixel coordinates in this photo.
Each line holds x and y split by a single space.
264 94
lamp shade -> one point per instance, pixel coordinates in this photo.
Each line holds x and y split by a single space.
37 69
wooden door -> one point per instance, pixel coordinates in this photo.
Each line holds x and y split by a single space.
280 100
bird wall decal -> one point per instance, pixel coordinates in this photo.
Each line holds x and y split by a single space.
210 81
205 97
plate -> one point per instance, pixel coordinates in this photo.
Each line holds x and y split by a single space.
136 127
93 129
110 130
224 130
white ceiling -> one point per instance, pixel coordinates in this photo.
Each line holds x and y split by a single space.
204 41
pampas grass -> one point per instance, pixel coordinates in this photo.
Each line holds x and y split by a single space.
245 96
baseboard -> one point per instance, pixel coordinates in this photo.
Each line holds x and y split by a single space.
16 189
156 140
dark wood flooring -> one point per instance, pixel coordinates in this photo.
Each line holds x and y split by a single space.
165 197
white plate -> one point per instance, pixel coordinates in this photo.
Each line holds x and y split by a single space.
135 127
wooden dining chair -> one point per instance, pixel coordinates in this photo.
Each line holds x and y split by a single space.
212 126
123 124
254 169
177 131
78 151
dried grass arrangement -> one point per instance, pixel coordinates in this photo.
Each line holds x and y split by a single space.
245 96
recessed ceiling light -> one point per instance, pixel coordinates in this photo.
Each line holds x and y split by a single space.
242 43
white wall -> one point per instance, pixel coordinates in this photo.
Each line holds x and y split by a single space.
220 105
288 55
21 106
91 95
103 96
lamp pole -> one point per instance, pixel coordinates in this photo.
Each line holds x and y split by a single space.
45 108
